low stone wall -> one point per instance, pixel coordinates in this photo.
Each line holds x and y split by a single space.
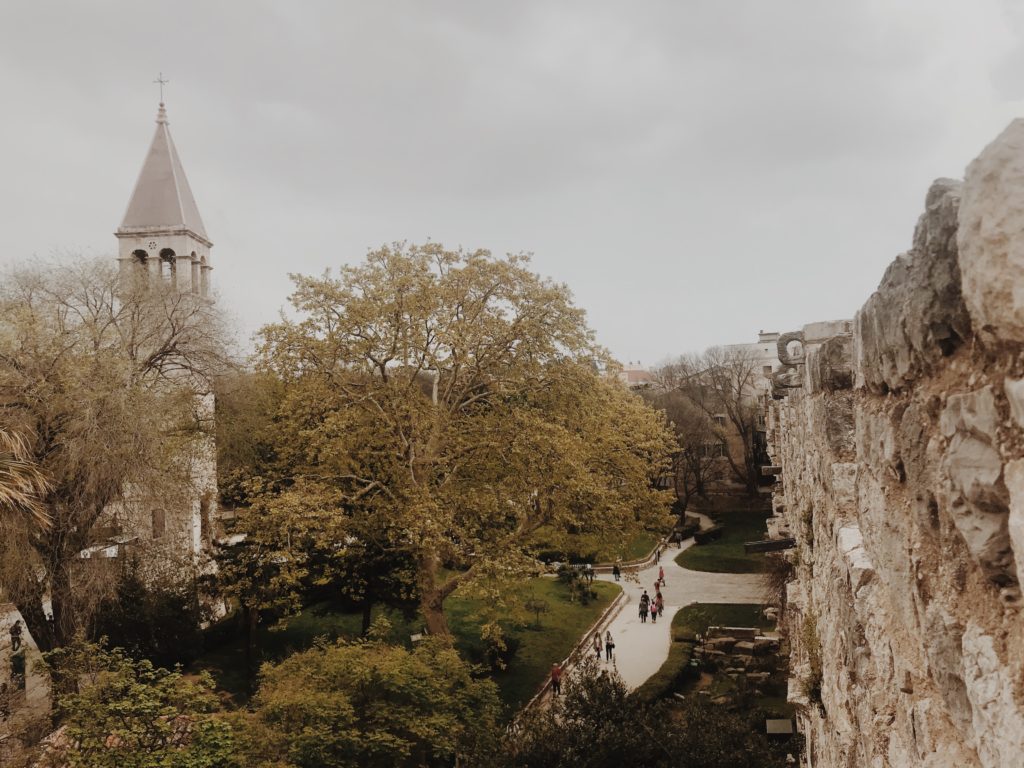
901 444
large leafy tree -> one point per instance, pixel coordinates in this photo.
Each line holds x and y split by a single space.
456 396
101 375
370 704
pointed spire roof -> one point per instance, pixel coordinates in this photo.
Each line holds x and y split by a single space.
162 197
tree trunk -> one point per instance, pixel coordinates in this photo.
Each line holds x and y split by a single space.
432 606
65 620
432 596
367 616
251 617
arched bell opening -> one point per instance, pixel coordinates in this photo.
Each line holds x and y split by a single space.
168 265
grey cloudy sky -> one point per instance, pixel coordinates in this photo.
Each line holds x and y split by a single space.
694 171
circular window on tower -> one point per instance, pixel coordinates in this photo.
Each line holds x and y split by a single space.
152 244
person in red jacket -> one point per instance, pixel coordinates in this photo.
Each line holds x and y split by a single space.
556 678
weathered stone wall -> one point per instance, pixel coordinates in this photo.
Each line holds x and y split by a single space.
902 455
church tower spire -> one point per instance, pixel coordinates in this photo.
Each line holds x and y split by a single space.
162 231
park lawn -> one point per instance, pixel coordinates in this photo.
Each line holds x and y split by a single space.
726 555
632 549
561 628
686 624
587 547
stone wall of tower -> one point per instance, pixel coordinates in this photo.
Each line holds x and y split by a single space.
901 446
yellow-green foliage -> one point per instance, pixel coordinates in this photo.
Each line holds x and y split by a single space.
369 704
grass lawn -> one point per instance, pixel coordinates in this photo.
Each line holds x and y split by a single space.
726 554
633 548
591 547
559 631
698 617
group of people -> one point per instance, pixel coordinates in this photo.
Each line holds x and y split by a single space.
654 606
602 645
607 645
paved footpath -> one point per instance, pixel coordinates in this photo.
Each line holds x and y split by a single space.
640 649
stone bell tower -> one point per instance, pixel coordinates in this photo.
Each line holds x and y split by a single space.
162 238
162 232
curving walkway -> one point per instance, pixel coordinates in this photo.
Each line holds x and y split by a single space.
641 649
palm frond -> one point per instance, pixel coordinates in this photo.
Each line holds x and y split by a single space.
22 482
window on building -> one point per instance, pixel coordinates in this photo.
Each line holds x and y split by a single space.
767 370
713 450
720 419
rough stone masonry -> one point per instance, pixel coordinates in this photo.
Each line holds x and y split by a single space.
901 443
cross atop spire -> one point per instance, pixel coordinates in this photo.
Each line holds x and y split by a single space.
162 82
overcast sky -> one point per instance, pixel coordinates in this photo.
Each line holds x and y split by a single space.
694 171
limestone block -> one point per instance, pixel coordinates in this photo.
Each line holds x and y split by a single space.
917 315
844 483
721 643
821 331
997 720
973 488
1014 389
836 413
859 566
991 236
973 412
830 366
945 665
1015 524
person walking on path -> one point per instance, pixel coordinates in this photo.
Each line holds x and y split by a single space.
659 605
645 604
661 574
597 644
609 645
654 611
556 678
616 571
